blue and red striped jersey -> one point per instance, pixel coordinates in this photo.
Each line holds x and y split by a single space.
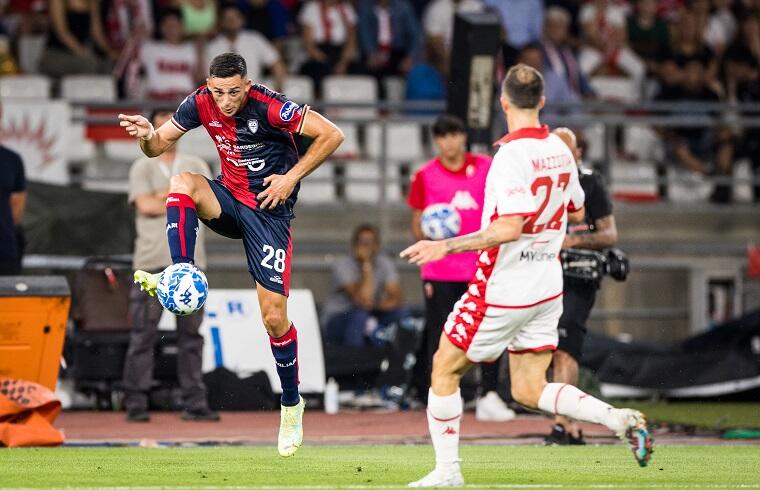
252 144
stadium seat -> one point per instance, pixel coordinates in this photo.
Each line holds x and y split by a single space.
198 143
123 151
403 143
350 146
619 89
641 141
296 87
395 89
319 186
78 147
299 88
634 181
25 86
88 88
30 49
367 190
742 177
347 89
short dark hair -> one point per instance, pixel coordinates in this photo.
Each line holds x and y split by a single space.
228 65
158 111
170 12
523 86
230 5
362 228
448 124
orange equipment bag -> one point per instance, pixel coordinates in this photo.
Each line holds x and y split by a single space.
27 412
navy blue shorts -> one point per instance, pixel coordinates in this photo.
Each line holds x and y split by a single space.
266 239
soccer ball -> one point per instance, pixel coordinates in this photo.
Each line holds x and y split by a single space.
182 289
440 221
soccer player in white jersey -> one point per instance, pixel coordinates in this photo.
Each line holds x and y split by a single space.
514 302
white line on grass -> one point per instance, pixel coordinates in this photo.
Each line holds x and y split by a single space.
374 487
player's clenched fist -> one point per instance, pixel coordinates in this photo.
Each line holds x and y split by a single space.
136 126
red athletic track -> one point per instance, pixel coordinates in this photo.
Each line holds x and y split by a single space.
347 427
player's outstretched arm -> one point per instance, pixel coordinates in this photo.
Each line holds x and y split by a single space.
502 230
153 142
327 138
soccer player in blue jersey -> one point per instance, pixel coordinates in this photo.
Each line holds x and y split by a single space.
252 199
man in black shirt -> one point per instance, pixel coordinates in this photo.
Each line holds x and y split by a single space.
598 231
12 204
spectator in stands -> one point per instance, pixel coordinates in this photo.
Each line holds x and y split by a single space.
558 55
389 36
328 32
438 23
258 52
718 25
606 51
688 44
366 293
522 20
170 63
648 35
741 68
148 187
77 43
129 23
425 82
269 18
12 207
556 89
198 18
703 150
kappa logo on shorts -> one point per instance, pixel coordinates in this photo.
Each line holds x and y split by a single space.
253 125
276 279
287 110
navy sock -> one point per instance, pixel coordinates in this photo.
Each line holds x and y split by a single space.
181 227
285 351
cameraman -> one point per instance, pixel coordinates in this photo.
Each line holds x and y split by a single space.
596 232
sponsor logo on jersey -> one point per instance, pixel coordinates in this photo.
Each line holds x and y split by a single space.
464 200
276 279
287 110
215 124
253 125
531 256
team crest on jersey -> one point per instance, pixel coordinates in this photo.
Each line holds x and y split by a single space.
253 125
287 110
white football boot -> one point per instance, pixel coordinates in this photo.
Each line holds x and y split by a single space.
441 476
291 429
491 408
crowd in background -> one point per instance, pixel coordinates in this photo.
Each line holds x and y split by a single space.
670 41
670 50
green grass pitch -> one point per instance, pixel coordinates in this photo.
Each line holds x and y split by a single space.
377 467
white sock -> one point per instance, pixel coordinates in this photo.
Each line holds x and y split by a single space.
444 414
567 400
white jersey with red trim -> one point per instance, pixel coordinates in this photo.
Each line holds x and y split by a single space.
534 175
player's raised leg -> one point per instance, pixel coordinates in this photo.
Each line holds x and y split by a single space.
529 387
444 415
189 196
283 338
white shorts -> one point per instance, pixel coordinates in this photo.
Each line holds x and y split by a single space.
484 332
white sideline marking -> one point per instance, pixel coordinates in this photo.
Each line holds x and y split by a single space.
372 487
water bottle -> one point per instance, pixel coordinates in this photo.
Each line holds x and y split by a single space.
331 396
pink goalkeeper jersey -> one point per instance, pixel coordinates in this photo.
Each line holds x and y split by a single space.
464 190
